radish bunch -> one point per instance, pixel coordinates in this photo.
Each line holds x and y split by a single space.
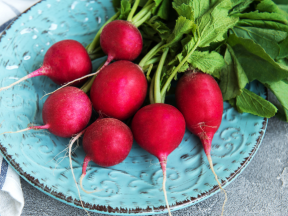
119 87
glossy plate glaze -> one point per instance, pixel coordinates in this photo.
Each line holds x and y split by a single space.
134 186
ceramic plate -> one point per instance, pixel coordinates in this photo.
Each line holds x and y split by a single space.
134 186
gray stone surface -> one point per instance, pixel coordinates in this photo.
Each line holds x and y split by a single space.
261 189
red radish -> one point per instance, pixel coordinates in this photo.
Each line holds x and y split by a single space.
121 40
159 129
98 142
199 99
119 90
65 112
64 61
106 142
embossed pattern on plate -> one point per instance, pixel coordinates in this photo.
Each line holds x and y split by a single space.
134 186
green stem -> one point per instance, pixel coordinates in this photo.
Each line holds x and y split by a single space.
142 13
157 86
97 50
148 72
144 19
175 71
153 61
150 54
96 41
148 2
97 55
146 67
151 90
133 10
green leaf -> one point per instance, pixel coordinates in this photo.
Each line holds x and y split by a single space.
233 78
159 27
116 4
255 15
282 113
280 1
263 24
214 24
157 2
268 39
147 31
284 8
156 7
257 68
184 8
184 67
164 10
283 61
207 62
240 5
252 103
183 26
280 90
202 6
283 49
268 6
255 49
125 9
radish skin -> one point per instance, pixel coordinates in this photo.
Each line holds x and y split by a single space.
199 99
159 129
64 61
121 40
119 90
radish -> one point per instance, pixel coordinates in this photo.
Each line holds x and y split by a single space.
106 142
65 112
64 61
199 99
121 40
119 90
159 129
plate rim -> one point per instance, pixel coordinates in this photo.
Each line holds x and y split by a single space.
136 211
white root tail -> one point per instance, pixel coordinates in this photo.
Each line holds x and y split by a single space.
163 163
81 185
10 132
15 83
212 169
27 129
71 166
165 194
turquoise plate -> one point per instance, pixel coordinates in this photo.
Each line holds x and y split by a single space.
134 186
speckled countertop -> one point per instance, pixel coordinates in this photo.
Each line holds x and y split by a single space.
261 189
